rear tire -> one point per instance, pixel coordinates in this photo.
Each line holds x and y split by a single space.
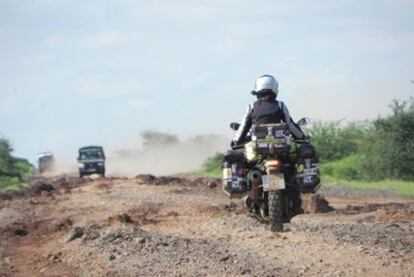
276 204
247 202
263 212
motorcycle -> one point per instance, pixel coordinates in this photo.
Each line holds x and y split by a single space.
271 170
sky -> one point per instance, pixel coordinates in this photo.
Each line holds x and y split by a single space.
74 73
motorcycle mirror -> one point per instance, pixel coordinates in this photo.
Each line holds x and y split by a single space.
235 126
304 121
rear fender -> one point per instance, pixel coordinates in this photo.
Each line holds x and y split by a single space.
274 178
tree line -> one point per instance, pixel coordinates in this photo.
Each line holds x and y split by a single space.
373 150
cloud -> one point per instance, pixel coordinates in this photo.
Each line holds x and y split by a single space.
195 81
99 39
175 12
309 82
93 86
228 48
407 2
140 104
8 105
20 102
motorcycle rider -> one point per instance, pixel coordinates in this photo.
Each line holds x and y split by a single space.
298 164
266 110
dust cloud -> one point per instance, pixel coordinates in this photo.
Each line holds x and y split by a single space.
63 165
163 154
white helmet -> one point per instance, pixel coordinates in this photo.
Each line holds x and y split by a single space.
266 82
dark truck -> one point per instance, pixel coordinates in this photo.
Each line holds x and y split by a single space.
46 162
91 160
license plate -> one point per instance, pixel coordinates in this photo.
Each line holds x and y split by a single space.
308 179
311 171
235 184
273 182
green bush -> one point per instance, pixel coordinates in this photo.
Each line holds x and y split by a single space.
22 167
10 183
212 166
335 142
381 149
347 168
12 170
389 147
6 160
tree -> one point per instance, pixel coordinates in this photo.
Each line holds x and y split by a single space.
389 151
6 160
154 139
12 167
335 142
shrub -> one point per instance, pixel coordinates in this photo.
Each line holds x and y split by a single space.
335 142
6 160
389 147
12 170
212 166
347 168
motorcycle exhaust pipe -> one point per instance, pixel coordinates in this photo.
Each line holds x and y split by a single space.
256 191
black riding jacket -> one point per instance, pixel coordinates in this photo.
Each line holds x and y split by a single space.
266 112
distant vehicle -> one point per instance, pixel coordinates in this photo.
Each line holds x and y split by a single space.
45 162
91 160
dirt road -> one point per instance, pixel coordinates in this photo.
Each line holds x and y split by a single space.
180 227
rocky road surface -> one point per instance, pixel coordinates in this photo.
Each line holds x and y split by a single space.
148 226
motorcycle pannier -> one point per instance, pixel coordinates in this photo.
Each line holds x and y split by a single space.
234 173
307 169
271 139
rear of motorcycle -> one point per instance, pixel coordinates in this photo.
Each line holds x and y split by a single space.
264 181
273 172
264 185
272 143
274 185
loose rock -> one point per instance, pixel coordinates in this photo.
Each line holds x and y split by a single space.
77 232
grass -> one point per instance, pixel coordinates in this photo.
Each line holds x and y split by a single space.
347 173
401 187
10 184
216 173
347 168
202 173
